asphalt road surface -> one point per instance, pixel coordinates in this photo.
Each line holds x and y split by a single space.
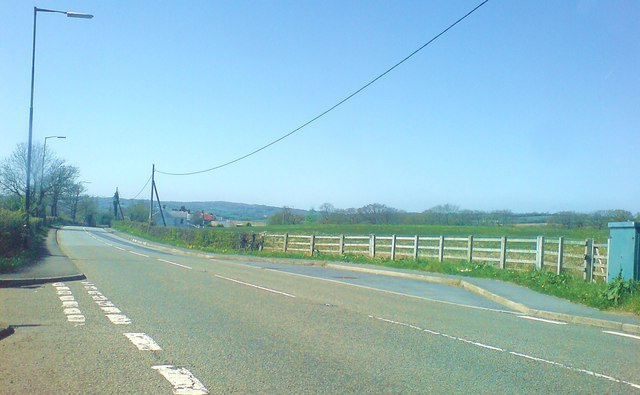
146 321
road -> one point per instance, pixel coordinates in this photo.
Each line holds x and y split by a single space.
147 321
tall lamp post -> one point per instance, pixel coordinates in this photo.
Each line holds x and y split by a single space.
44 156
27 204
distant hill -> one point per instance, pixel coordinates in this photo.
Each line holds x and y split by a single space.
224 210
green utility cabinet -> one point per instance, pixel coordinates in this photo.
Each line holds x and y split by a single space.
624 250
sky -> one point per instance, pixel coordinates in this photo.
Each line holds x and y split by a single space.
525 105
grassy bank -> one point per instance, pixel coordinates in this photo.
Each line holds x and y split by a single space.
618 295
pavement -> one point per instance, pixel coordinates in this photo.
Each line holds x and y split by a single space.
54 266
51 266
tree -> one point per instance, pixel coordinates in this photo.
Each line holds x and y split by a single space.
377 213
284 217
52 181
139 212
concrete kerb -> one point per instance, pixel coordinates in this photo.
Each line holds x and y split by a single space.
24 282
518 307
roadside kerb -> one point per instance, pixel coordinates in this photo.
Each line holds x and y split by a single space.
518 307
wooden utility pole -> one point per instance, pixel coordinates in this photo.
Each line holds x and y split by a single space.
154 188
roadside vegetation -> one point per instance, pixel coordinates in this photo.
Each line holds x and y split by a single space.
18 246
56 197
619 295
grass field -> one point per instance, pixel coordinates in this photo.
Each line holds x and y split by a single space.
600 235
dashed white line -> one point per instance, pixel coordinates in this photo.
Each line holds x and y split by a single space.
69 304
622 334
542 320
118 319
590 373
143 341
139 254
182 380
174 263
256 286
119 248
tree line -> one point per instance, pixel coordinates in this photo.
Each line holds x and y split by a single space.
446 214
55 190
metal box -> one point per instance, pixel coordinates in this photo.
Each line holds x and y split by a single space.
624 250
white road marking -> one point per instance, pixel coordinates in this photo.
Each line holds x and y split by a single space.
94 292
91 287
143 341
71 303
391 292
590 373
63 293
75 318
58 284
111 310
66 298
139 254
119 319
72 311
99 297
256 286
105 303
173 263
63 288
622 334
542 320
182 380
119 248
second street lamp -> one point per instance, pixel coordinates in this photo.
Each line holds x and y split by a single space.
27 204
44 155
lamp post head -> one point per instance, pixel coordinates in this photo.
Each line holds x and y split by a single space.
78 15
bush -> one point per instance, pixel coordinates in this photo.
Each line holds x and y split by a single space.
208 238
13 233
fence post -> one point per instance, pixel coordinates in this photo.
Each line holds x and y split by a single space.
588 259
341 244
470 249
540 253
503 252
416 249
393 247
372 246
560 255
441 249
312 243
285 242
592 253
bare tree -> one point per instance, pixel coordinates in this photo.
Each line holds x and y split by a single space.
52 180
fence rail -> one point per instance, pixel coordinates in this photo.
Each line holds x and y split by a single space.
557 254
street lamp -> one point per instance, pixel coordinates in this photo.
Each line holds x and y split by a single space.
27 204
44 154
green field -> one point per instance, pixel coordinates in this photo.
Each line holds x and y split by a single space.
600 235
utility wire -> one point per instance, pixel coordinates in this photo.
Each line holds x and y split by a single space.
142 189
332 107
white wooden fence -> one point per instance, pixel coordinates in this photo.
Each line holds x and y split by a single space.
555 254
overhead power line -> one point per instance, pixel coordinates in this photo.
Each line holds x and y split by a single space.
142 189
332 107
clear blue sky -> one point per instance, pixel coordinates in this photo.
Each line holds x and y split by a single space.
526 105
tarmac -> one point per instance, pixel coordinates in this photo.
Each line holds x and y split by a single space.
54 266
